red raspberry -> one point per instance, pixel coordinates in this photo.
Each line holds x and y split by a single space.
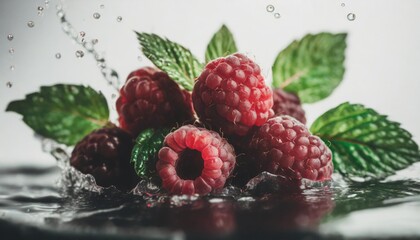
288 104
194 160
285 146
150 99
231 95
105 154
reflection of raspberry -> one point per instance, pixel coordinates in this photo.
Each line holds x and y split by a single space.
230 94
284 146
288 104
194 160
150 99
105 154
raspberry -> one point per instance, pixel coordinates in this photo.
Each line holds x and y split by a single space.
231 95
287 104
105 154
284 146
150 99
194 160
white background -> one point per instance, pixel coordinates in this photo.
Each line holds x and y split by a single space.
382 57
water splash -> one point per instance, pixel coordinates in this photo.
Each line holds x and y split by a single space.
110 75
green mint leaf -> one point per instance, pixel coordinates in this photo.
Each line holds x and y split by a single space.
145 149
177 61
65 113
365 143
311 67
221 44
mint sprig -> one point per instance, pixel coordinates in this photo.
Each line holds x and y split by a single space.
311 67
177 61
221 44
365 143
64 113
143 156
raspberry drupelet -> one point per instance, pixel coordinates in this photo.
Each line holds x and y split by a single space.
288 104
150 99
285 146
194 161
230 95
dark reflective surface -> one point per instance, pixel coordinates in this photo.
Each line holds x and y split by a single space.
32 204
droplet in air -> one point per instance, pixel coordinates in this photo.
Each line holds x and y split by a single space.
60 13
12 67
119 19
113 96
31 24
343 4
11 50
40 10
94 41
58 55
139 58
102 6
82 34
9 84
277 15
351 16
96 15
79 53
270 8
10 37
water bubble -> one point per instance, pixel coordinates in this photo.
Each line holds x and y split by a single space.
277 15
46 3
82 34
11 50
10 37
40 10
113 96
12 67
60 14
96 15
139 58
351 16
270 8
343 4
94 41
58 55
9 84
79 53
102 6
119 19
31 24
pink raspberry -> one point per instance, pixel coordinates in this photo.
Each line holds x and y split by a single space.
150 99
285 146
194 160
287 104
231 95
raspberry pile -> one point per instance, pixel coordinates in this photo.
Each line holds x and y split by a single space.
285 146
194 160
150 99
231 95
105 154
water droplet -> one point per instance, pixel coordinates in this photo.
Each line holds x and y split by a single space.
40 8
46 2
60 14
343 4
12 67
82 34
79 53
94 41
113 96
9 84
11 50
270 8
139 58
58 55
96 15
10 37
102 6
119 19
277 15
351 16
31 24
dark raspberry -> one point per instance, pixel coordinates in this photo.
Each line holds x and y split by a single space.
150 99
105 154
194 160
285 146
231 95
287 104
